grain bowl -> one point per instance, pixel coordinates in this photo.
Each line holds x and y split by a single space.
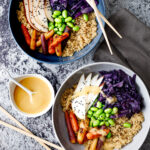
127 133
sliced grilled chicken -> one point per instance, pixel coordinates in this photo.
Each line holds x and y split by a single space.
40 14
32 8
27 13
82 103
48 10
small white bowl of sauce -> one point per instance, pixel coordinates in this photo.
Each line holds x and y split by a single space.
42 100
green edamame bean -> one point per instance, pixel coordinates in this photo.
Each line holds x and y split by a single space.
95 115
114 110
60 17
56 12
111 122
98 112
102 123
89 116
127 125
109 135
85 17
96 123
99 105
93 118
90 112
107 118
68 19
51 27
106 123
54 16
108 110
102 116
59 25
73 21
93 109
55 29
70 24
76 28
107 115
59 33
65 13
58 20
50 23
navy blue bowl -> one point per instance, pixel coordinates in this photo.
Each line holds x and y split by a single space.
52 59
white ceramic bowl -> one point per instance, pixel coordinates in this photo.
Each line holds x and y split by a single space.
12 87
59 118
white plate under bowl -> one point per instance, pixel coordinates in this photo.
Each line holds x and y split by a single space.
59 118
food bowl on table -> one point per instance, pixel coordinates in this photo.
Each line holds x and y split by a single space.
42 99
59 123
15 28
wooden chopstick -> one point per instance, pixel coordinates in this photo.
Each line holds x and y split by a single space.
30 135
109 24
93 5
21 126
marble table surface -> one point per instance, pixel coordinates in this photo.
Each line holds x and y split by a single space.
17 62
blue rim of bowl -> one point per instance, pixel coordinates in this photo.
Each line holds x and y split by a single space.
97 63
56 63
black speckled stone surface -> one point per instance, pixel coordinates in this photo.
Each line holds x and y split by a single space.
17 63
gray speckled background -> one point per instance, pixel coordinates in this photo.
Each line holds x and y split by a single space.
17 63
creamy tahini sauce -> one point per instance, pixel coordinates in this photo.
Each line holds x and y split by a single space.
40 100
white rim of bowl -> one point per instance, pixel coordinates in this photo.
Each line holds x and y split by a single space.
51 90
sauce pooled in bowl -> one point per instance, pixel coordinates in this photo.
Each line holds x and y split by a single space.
40 100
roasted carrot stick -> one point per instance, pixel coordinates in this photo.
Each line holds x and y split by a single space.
33 40
47 36
26 34
51 50
81 135
74 122
60 39
70 130
58 47
91 136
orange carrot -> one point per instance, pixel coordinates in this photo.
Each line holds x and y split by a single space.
74 122
106 130
33 40
51 50
70 130
60 39
91 136
26 34
47 36
58 47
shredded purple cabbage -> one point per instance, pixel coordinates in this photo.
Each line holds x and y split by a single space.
74 7
123 86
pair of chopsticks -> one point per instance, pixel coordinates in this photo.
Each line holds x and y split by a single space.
99 16
25 131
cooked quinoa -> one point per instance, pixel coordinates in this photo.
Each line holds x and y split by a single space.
121 136
78 40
